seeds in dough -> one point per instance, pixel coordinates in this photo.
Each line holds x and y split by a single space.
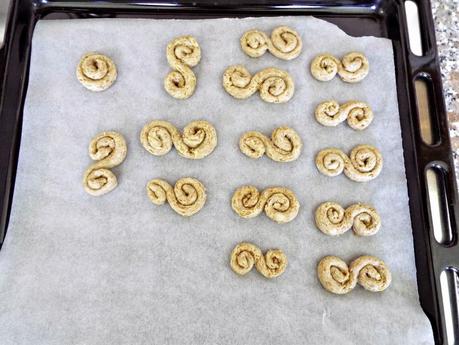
332 219
368 271
245 255
198 140
96 72
279 203
109 150
284 146
353 67
364 163
358 114
285 43
274 85
182 53
187 197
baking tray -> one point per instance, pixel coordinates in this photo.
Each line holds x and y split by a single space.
381 18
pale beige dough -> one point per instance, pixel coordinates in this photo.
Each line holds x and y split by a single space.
284 146
182 53
358 114
96 72
279 203
364 163
285 43
353 67
187 197
332 219
109 150
198 140
370 272
245 255
274 85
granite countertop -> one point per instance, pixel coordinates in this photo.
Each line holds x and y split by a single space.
446 16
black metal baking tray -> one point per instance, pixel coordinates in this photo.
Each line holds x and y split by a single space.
382 18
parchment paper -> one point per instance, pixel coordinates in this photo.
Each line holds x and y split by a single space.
76 269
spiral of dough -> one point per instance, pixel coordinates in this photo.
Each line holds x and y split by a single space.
358 114
353 67
187 197
335 276
280 204
109 150
198 140
182 53
273 84
332 219
245 255
284 146
96 72
370 272
285 43
364 163
324 67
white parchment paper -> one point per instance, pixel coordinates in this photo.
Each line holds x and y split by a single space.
77 269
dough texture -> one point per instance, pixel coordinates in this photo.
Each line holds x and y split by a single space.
280 204
245 255
187 197
109 150
285 43
370 272
274 85
182 53
358 114
353 67
284 146
364 163
96 72
198 140
333 220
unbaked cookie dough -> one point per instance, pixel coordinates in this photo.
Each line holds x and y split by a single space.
284 146
182 53
332 219
245 255
358 114
279 203
109 150
353 67
364 163
198 140
187 197
368 271
274 85
285 43
96 72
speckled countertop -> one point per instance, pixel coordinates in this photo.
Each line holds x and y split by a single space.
446 15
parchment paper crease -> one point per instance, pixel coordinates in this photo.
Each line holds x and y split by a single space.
76 269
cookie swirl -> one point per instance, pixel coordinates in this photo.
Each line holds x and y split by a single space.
358 114
96 72
245 255
280 204
284 146
187 197
370 272
364 163
334 220
182 53
273 84
109 150
353 67
285 43
198 140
